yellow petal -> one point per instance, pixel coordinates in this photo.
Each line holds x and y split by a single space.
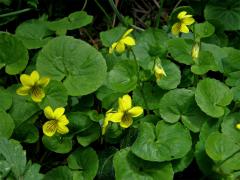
63 120
181 15
126 121
238 126
127 33
188 21
23 91
114 117
59 112
34 76
176 28
120 47
50 128
184 28
37 94
48 112
135 111
128 41
62 129
26 80
113 46
124 103
43 82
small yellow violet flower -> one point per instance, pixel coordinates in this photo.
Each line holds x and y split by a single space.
184 21
57 121
121 44
238 126
124 114
110 116
159 72
33 85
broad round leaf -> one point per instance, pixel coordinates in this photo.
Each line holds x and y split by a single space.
205 63
212 96
78 122
150 44
58 143
56 95
22 107
89 135
60 173
26 132
123 76
6 99
229 126
13 54
75 20
84 160
172 78
203 30
164 142
128 167
81 67
33 33
180 49
219 146
180 104
232 62
225 12
7 124
152 94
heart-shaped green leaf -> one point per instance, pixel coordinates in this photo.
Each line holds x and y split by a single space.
81 67
164 142
212 96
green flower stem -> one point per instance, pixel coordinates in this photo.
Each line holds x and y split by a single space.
120 17
103 10
159 13
15 12
139 81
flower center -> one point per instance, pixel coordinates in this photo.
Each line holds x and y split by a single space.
36 91
126 118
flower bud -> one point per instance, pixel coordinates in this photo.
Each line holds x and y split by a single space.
195 51
159 72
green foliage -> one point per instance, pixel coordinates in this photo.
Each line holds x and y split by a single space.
128 166
184 90
80 65
212 96
14 55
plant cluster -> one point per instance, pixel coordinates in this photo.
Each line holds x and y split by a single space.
134 103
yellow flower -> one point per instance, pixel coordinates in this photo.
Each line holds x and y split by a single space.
121 44
184 21
238 126
33 85
110 116
124 114
159 72
57 121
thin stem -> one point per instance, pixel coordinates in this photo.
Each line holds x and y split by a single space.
120 17
177 4
159 13
15 12
103 10
84 5
139 81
